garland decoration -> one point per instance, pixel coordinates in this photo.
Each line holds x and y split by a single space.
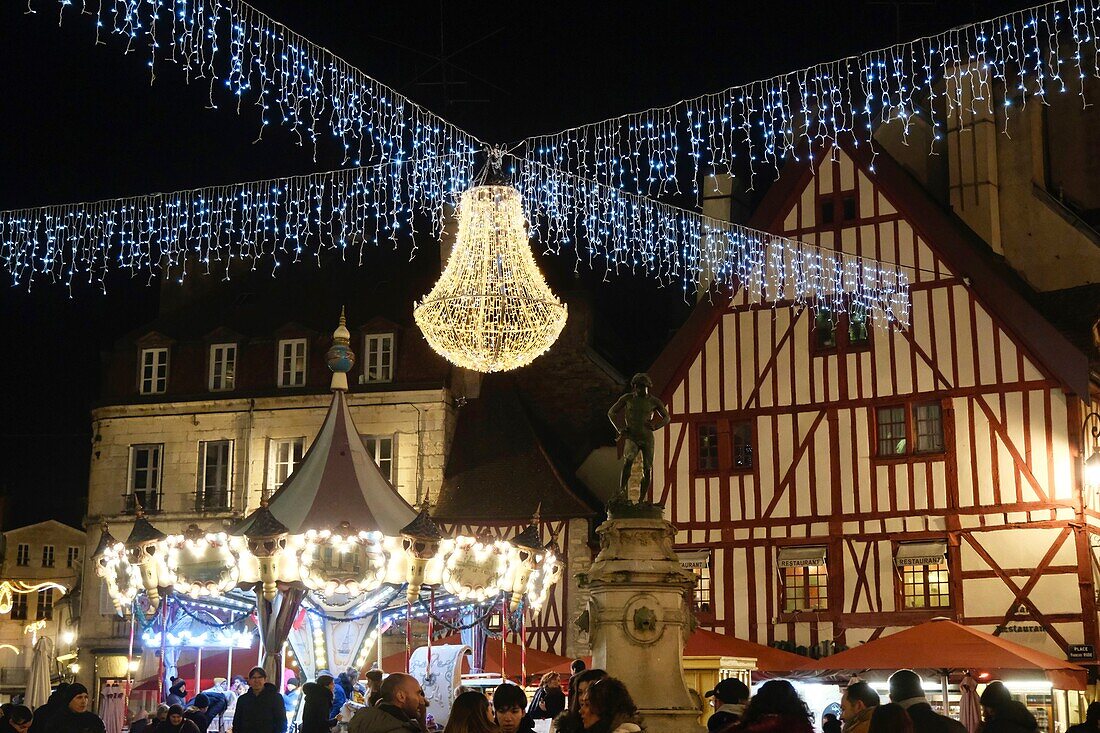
248 57
275 222
991 64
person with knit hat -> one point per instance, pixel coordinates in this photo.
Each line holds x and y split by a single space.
45 712
74 717
177 692
1002 714
176 722
907 690
196 712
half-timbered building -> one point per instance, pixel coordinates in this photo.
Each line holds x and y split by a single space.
840 480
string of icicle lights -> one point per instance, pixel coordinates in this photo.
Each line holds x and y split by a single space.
265 223
274 222
247 57
994 65
627 232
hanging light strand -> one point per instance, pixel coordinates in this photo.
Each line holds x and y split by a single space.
990 66
263 223
627 233
249 59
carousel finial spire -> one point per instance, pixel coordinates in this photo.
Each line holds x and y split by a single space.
340 358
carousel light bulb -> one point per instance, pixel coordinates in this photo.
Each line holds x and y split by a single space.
491 309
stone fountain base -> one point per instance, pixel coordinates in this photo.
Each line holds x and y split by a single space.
639 615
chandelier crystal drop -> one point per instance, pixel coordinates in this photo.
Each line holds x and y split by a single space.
491 310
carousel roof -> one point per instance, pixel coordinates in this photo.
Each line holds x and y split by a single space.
337 480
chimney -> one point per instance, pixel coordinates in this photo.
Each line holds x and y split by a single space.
973 185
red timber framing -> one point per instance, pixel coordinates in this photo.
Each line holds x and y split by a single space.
546 631
1003 496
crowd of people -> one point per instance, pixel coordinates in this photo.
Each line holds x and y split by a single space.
594 702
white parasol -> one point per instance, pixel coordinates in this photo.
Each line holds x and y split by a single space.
38 680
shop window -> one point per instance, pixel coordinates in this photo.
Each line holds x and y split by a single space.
922 569
698 563
805 578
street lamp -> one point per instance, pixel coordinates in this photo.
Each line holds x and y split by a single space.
1091 465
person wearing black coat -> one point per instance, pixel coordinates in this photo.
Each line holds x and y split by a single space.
261 709
907 690
1003 714
317 705
45 712
176 722
74 717
197 712
177 693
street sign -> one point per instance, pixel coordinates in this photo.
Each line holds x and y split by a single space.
1081 652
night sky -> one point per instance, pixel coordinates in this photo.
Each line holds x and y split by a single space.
81 122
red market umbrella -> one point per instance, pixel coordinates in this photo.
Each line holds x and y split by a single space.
943 644
705 643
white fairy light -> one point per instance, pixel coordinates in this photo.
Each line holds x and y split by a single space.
767 122
491 309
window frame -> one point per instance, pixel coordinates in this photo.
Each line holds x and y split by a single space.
911 454
899 581
72 556
279 356
23 555
154 380
19 607
44 611
820 569
727 428
228 383
368 439
202 502
273 482
842 332
49 557
697 434
156 491
379 337
837 201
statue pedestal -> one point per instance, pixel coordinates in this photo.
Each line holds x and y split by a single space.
639 618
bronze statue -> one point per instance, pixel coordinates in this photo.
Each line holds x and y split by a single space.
638 408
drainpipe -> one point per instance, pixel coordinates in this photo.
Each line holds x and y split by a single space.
248 457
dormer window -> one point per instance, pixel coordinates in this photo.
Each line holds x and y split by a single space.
378 357
153 378
292 363
223 367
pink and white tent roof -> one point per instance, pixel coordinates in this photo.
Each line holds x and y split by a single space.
338 481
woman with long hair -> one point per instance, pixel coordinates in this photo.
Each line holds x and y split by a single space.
548 701
890 718
606 707
570 721
776 708
470 714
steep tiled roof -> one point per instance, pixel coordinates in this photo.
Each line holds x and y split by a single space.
498 468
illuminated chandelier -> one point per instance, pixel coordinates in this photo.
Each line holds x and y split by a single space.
491 310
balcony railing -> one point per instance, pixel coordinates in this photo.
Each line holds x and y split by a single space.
160 502
217 500
13 676
150 501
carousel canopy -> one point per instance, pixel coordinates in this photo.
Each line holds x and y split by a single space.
337 482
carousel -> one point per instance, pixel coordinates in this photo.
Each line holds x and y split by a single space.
322 567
